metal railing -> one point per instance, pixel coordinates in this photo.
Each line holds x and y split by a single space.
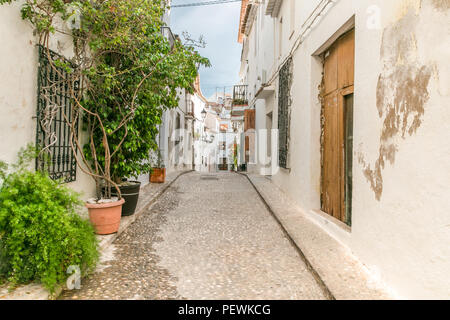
240 95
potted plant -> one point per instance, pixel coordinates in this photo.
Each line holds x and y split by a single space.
158 173
129 190
105 214
132 160
117 71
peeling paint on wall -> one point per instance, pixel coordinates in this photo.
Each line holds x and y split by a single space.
441 4
402 94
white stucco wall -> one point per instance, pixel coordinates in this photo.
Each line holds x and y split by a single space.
404 237
201 149
400 228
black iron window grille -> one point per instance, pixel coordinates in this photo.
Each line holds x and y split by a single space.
284 112
54 108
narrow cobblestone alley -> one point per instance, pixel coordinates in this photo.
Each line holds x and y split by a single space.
207 237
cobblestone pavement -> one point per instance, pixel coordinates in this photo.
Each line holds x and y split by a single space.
207 237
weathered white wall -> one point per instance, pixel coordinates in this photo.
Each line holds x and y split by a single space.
176 156
18 74
405 235
200 148
400 227
18 87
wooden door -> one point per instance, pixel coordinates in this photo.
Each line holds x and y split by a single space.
249 124
338 86
249 119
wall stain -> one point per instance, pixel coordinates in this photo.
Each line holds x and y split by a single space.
441 4
402 93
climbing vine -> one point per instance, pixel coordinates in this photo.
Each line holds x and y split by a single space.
128 71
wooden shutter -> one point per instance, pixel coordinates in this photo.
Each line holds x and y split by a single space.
249 120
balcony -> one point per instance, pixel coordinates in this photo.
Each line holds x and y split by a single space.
240 95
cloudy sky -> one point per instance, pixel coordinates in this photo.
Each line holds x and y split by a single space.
219 26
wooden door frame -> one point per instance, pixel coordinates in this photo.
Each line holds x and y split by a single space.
341 103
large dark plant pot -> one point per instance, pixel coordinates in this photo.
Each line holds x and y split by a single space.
131 195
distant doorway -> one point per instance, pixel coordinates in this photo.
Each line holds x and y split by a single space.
223 165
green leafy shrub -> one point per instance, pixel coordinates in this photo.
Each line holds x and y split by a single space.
41 234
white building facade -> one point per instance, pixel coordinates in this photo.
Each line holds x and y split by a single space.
208 141
20 62
20 65
182 136
352 95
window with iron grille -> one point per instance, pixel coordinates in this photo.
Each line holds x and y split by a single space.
177 129
284 112
52 131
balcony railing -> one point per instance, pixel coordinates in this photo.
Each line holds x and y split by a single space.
240 95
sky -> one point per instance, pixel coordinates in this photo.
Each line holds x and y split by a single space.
219 26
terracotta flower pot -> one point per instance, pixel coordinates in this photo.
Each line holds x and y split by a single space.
158 175
105 216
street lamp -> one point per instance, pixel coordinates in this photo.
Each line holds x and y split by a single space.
204 114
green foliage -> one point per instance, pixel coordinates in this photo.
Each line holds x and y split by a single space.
130 74
3 170
132 157
239 102
41 234
134 54
235 155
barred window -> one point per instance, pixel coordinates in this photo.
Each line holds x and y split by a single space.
52 131
284 112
